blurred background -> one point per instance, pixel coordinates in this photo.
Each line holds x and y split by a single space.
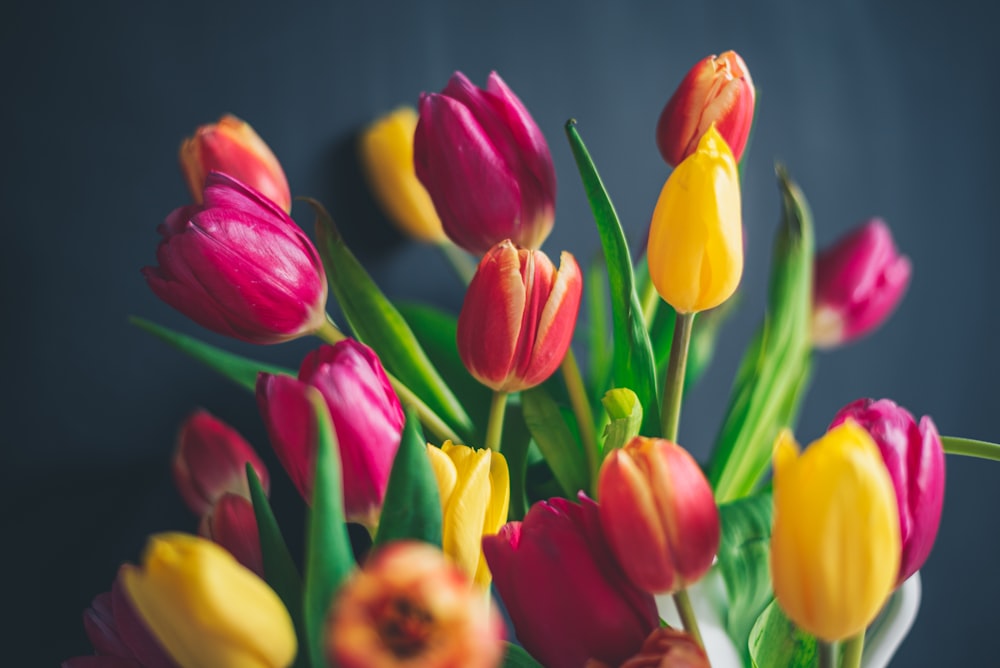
883 108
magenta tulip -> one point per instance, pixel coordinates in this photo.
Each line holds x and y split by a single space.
567 596
859 282
232 524
366 414
913 454
486 165
239 266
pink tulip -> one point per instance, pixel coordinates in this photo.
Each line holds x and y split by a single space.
567 596
518 316
232 524
486 165
210 460
858 283
913 454
367 418
239 266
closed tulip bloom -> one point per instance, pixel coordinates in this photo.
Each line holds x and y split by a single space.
485 164
411 606
695 249
518 316
239 266
210 460
207 610
366 415
913 454
232 524
659 514
835 540
566 594
387 157
717 90
475 494
859 281
232 147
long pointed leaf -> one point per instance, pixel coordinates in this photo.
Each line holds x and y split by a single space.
561 449
775 641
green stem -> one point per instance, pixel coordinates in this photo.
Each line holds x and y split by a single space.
329 332
459 260
673 386
827 652
852 650
688 618
584 416
494 427
970 448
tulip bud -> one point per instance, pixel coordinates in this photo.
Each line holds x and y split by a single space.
232 524
695 250
518 317
485 164
232 147
835 540
474 486
566 595
664 648
915 459
239 266
207 610
366 415
210 460
387 157
858 283
410 606
659 514
717 90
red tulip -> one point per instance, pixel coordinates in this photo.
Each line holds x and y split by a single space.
518 317
913 454
566 595
486 165
239 266
664 648
232 524
716 90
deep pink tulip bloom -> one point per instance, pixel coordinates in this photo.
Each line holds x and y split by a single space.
367 418
239 266
913 454
858 283
486 165
517 320
210 460
232 524
567 596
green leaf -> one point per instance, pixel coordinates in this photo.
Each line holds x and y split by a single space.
412 507
633 353
329 559
625 414
517 657
598 338
279 567
561 449
241 370
776 641
516 448
377 323
744 561
971 448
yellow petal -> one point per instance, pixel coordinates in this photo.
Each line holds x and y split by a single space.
444 471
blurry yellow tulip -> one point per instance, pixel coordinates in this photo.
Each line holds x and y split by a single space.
475 495
387 157
695 250
206 609
835 545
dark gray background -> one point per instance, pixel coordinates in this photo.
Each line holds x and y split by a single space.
884 108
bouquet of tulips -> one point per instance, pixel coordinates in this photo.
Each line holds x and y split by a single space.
484 461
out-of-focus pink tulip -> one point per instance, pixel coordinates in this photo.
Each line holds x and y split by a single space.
518 317
210 459
232 147
232 524
239 266
485 164
913 454
566 594
367 418
716 90
858 282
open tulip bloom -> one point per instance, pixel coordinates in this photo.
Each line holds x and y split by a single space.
572 492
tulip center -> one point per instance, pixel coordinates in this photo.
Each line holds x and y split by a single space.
405 628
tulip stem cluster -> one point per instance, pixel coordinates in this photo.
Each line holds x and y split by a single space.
673 385
581 409
494 426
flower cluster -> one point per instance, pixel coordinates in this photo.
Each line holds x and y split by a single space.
571 495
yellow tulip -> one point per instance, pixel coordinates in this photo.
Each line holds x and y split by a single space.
475 494
835 544
387 157
206 609
695 250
